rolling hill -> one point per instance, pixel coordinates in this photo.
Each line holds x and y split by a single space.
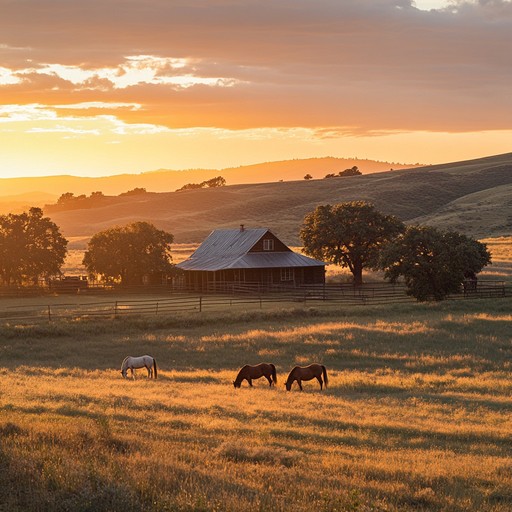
169 180
21 202
473 197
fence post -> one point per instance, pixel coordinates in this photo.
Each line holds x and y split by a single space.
156 311
115 310
49 313
261 306
200 304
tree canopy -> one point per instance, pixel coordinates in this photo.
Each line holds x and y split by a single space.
219 181
137 191
352 171
433 263
68 201
31 247
128 253
348 234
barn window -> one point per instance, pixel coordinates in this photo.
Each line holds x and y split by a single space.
268 244
287 274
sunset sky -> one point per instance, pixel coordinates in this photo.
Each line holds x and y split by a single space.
102 87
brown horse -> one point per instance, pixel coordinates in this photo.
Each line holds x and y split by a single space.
267 370
312 371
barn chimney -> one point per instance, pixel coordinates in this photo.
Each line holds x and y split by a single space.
242 228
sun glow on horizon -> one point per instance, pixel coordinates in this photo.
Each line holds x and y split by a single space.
104 145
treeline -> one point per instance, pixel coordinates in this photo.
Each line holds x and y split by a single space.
68 200
219 181
352 171
431 262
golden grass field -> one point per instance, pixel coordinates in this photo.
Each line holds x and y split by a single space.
417 414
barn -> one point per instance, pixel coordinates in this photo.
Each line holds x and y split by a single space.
248 258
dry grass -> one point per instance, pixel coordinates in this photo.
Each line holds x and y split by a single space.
501 250
417 414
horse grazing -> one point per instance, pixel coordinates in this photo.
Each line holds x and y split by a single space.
267 370
131 363
312 371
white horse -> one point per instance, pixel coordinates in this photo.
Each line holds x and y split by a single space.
131 363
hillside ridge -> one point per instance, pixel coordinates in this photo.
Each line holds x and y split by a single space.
443 196
164 180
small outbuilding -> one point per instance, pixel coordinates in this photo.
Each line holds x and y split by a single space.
248 258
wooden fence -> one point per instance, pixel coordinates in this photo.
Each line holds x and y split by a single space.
247 298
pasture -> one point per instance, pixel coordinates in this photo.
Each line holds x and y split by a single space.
417 414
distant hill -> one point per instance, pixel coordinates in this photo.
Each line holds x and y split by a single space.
168 181
22 202
473 197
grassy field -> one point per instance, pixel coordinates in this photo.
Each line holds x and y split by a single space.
417 414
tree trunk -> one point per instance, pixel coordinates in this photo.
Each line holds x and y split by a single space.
357 272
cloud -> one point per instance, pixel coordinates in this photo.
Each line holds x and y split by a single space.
7 77
369 65
63 129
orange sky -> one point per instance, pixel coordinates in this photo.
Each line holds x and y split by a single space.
109 86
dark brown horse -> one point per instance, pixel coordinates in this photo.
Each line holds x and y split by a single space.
312 371
267 370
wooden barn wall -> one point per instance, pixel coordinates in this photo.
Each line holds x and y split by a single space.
278 245
199 280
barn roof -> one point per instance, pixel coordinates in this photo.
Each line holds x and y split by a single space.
229 249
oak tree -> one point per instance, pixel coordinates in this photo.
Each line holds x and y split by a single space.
31 247
433 263
126 254
348 234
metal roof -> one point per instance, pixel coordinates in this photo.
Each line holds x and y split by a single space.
229 249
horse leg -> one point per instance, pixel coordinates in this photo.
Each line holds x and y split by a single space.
299 382
133 373
320 381
148 368
250 382
269 380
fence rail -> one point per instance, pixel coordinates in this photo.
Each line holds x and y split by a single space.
323 295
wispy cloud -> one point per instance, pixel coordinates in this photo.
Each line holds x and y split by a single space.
63 129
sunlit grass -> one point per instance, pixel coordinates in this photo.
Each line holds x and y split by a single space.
417 414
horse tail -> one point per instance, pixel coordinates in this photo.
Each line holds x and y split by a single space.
324 371
274 374
154 367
